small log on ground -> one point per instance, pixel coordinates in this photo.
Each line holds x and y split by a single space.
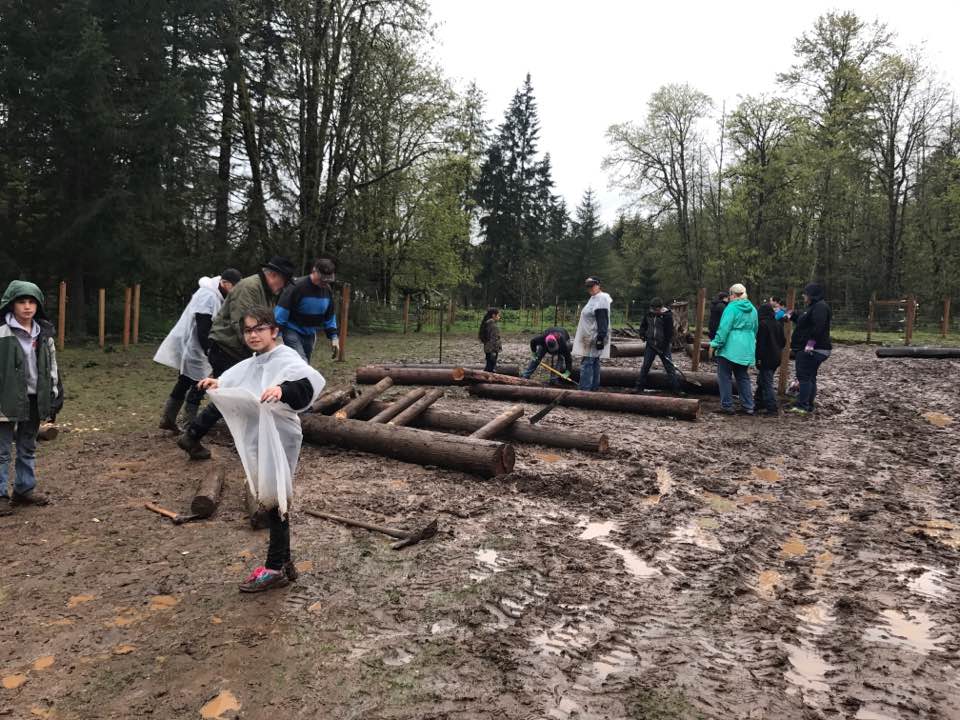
208 494
502 369
395 408
436 419
500 423
418 407
627 349
482 376
331 400
370 374
683 408
355 406
924 353
486 458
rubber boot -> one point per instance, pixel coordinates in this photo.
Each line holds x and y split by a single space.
189 442
190 412
170 410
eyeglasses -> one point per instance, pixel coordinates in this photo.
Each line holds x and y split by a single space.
256 329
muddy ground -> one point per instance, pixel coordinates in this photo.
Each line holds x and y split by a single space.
726 568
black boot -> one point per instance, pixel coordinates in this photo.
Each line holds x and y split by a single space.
190 411
189 442
170 410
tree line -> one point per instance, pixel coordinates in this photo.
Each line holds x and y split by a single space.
160 140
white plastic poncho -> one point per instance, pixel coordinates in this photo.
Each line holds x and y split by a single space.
267 435
585 342
181 348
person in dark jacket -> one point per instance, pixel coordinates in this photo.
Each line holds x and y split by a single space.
306 307
770 344
656 329
489 335
717 306
811 341
552 341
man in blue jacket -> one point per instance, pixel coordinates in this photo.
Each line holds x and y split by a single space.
306 307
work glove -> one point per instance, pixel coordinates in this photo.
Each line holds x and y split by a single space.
565 375
335 347
601 341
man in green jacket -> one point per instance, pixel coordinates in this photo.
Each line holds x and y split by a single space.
30 387
226 339
736 348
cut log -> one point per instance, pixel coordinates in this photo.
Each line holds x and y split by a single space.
331 400
627 349
500 423
355 406
486 458
208 494
683 408
658 380
502 369
395 408
418 407
926 353
467 375
371 374
436 419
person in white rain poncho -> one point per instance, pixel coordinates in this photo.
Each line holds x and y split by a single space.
185 347
259 398
592 342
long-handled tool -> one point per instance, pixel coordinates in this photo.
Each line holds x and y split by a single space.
406 538
678 371
174 517
541 414
557 373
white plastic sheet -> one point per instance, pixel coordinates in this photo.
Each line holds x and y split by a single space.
585 343
181 349
267 435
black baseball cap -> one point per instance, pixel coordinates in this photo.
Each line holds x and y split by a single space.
592 281
231 275
282 265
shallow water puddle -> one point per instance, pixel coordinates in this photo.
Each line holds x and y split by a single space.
766 475
793 547
943 530
12 682
631 561
124 649
664 481
693 534
42 663
708 523
938 419
750 499
598 529
815 618
912 631
397 658
767 583
865 713
823 563
222 703
79 600
163 602
490 561
719 503
816 504
615 661
926 583
442 626
807 669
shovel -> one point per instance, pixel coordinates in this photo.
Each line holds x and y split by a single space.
406 538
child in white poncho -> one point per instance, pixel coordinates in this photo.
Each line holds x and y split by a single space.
259 398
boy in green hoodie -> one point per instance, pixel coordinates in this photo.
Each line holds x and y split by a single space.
30 388
736 348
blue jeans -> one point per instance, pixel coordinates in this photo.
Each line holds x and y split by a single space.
808 363
726 370
303 344
534 364
590 373
24 433
766 395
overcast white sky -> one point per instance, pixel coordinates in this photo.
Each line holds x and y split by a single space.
596 63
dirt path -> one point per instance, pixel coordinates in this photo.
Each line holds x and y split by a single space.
728 568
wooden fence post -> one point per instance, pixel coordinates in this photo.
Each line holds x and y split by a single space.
785 355
556 313
102 316
127 301
62 316
406 312
136 314
344 321
453 314
872 316
945 321
698 334
911 319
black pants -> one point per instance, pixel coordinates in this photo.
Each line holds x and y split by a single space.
186 389
278 552
491 359
220 361
650 354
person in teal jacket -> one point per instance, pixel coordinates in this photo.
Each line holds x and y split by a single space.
735 345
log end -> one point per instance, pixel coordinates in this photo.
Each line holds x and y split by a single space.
506 459
458 373
203 507
603 444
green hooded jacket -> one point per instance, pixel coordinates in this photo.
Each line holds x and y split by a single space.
14 402
226 330
736 338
